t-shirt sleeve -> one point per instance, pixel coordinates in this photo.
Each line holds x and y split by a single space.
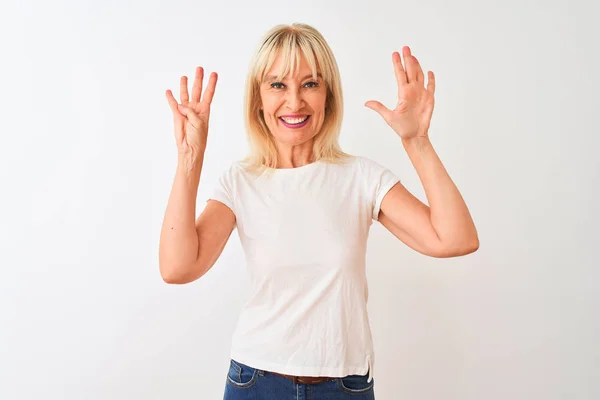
379 181
223 189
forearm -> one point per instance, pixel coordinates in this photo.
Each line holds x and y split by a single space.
449 214
178 247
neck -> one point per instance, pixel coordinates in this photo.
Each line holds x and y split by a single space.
295 156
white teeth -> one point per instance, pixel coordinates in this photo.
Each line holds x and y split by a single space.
294 120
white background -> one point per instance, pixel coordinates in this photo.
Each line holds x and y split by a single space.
88 157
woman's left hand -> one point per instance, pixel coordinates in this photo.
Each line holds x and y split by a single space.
412 116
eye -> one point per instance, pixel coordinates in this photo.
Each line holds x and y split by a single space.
279 85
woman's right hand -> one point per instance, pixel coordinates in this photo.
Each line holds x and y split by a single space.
191 116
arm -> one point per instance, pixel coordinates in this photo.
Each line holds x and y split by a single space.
445 228
189 249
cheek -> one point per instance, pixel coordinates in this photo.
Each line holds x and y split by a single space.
270 105
319 101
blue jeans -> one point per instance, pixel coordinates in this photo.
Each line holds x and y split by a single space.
246 383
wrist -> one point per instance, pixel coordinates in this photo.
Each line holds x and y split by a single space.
190 164
416 142
192 155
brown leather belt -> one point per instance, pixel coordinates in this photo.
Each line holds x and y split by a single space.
307 380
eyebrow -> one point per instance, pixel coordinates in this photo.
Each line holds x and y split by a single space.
272 77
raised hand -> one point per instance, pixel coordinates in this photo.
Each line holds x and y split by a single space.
191 116
412 116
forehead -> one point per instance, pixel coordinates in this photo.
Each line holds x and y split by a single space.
294 66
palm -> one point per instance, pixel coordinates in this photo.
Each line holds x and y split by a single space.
412 115
191 116
192 135
199 108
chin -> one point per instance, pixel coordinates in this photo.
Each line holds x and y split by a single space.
294 138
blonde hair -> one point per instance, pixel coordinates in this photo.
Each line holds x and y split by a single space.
292 41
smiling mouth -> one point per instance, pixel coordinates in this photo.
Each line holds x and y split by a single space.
295 122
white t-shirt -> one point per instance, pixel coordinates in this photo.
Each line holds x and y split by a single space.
304 232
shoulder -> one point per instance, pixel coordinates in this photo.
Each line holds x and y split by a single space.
366 166
235 169
229 176
375 174
240 172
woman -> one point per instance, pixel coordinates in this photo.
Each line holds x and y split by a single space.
303 209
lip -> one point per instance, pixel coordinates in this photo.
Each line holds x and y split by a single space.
298 126
293 116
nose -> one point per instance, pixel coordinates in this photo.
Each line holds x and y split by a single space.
294 100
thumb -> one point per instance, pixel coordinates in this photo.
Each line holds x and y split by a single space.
190 114
378 107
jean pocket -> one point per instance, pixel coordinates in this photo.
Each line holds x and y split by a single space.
241 375
356 383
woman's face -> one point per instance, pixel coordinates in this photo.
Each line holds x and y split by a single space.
293 108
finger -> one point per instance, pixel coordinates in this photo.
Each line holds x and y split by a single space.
191 116
398 68
197 88
379 108
177 117
183 90
209 92
431 82
411 74
172 102
420 77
